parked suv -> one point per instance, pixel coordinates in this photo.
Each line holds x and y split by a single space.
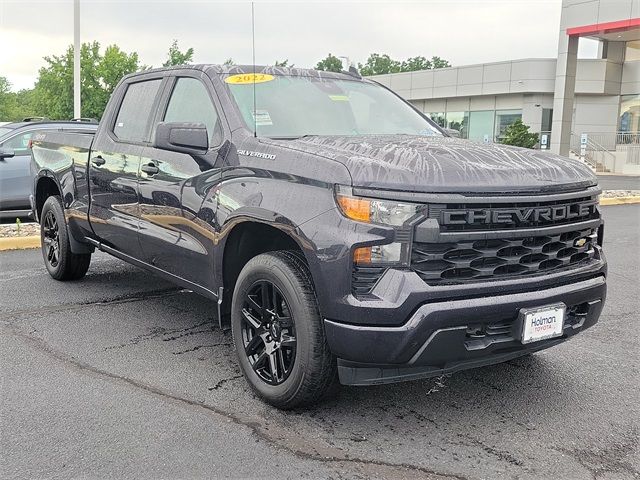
15 176
340 232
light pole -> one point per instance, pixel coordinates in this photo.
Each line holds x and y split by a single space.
77 111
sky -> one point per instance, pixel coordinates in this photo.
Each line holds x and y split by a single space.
461 31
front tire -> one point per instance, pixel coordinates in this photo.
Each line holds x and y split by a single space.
61 262
278 332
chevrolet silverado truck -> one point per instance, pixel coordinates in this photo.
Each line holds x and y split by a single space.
339 232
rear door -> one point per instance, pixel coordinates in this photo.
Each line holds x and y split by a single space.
115 162
171 235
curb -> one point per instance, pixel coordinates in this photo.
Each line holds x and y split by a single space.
19 243
620 200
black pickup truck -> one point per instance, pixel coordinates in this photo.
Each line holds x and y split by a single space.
340 232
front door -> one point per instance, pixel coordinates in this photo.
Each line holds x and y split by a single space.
114 166
173 238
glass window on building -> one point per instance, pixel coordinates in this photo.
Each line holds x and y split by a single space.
547 119
545 129
458 121
504 118
481 125
437 117
632 52
629 121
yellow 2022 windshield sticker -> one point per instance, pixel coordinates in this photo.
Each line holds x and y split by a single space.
249 78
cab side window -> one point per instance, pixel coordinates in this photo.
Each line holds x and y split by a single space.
132 122
190 102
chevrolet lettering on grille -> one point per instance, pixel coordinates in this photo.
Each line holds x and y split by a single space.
518 216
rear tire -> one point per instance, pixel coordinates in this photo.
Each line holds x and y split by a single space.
278 332
62 264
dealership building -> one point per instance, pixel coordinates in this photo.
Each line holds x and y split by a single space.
582 107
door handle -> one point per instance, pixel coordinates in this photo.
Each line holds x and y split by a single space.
97 161
150 168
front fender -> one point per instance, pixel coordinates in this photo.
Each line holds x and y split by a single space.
306 213
273 202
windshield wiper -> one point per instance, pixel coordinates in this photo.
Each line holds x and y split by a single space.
291 137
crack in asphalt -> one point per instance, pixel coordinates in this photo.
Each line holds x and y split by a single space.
71 307
198 347
500 454
283 439
223 381
607 460
175 333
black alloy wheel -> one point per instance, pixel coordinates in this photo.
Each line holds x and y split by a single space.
278 332
268 332
59 259
51 239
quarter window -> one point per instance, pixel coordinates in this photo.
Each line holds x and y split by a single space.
190 102
133 118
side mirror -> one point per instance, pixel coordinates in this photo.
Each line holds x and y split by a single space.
183 137
6 153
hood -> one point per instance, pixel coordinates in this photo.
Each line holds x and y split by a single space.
445 164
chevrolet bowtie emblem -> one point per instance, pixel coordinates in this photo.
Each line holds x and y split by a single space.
580 242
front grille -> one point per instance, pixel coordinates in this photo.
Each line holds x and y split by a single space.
559 212
473 260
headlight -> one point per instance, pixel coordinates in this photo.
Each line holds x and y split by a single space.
381 212
370 210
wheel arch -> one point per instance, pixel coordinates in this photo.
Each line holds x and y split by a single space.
45 187
247 238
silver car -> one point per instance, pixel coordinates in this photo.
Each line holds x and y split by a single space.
15 156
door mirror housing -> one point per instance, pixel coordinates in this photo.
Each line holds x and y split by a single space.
6 153
183 137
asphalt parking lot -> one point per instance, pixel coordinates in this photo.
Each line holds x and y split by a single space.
123 375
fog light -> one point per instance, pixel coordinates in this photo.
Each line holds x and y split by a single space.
378 254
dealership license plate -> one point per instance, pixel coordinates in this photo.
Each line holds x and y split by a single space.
542 323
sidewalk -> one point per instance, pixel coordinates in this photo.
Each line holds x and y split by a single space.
614 181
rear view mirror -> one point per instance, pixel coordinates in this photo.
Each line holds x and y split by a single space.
183 137
6 153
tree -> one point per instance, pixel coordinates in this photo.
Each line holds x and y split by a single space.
15 106
437 62
99 74
7 100
378 64
228 62
176 57
330 64
518 134
413 64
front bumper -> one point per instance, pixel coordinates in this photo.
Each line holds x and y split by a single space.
446 336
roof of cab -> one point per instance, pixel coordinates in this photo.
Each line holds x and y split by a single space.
211 69
46 122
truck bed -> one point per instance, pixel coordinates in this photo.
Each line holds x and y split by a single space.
58 151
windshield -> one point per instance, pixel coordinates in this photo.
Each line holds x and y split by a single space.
295 106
